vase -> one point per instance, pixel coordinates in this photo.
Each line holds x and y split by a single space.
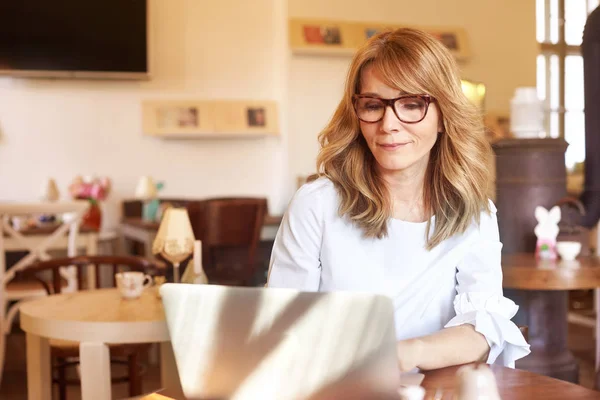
92 219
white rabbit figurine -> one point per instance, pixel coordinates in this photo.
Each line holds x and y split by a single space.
546 231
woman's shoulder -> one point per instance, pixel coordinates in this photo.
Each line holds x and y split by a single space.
488 221
313 195
321 186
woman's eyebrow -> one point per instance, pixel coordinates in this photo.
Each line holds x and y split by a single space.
400 93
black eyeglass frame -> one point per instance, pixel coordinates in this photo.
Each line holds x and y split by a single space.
390 103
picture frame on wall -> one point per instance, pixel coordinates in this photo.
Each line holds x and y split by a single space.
177 117
322 37
209 118
247 117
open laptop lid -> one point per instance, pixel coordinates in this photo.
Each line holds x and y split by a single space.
251 343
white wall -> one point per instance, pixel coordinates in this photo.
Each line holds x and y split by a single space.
61 128
501 35
230 49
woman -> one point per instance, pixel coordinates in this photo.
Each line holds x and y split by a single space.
400 208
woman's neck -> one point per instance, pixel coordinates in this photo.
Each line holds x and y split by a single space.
406 192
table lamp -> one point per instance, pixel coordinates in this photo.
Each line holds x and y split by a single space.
147 192
175 238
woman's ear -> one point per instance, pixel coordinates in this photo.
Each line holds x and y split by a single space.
440 127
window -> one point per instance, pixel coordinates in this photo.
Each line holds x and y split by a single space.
559 30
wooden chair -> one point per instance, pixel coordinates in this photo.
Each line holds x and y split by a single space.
525 331
14 291
229 229
61 350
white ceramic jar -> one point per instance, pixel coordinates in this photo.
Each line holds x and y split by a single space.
526 114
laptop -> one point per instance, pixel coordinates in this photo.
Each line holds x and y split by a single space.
270 343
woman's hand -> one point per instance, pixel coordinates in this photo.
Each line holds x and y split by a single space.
409 354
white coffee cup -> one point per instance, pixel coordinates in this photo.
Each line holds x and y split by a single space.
131 284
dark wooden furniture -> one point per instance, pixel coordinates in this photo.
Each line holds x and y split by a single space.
544 300
62 350
229 229
513 384
529 173
590 49
133 227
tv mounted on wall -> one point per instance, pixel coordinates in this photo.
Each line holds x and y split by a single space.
74 38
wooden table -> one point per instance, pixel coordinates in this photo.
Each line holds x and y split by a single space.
543 297
513 384
93 318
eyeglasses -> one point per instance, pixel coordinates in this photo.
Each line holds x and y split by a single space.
409 108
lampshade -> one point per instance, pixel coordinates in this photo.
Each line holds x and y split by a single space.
50 191
175 237
146 188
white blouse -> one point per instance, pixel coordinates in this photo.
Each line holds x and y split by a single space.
458 282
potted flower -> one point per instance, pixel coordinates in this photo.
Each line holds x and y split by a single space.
94 190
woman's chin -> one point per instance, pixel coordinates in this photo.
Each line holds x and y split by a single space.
394 165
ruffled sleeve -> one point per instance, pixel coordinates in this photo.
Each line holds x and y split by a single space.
479 300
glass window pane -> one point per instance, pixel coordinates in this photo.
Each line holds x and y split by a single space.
574 83
554 81
540 20
554 124
541 76
575 136
575 16
553 21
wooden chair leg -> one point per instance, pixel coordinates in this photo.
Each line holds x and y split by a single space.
135 381
62 378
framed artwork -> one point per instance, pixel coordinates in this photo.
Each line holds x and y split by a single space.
247 117
177 117
342 37
320 36
217 118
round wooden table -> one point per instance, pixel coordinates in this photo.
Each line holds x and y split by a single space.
543 298
93 318
513 384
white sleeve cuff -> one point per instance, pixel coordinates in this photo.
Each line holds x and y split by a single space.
490 314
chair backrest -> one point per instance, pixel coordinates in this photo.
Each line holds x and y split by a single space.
133 208
225 223
10 209
129 262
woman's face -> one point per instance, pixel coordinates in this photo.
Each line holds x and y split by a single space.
397 145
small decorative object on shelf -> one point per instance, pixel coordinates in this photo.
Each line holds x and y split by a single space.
147 191
546 231
94 190
194 273
50 191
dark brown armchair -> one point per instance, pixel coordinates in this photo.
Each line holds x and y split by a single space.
229 229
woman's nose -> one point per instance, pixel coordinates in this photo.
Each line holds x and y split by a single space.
390 123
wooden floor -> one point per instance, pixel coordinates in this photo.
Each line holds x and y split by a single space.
14 382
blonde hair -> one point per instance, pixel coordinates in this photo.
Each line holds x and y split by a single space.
457 176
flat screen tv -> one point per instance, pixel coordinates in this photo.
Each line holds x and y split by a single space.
74 38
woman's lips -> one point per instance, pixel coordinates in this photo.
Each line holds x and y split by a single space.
393 146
